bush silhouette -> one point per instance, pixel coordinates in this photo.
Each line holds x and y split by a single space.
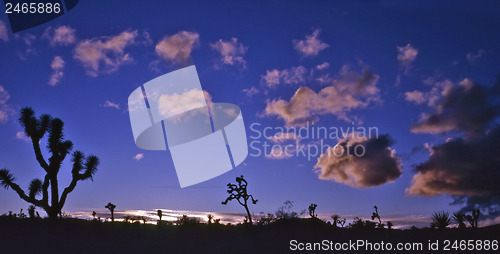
111 208
160 213
312 210
459 217
239 192
83 167
441 220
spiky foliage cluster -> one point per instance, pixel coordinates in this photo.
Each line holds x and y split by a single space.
239 192
441 220
84 167
459 217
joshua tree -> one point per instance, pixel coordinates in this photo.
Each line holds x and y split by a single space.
389 225
111 208
210 217
312 210
472 219
94 214
239 192
459 217
83 167
335 218
160 213
441 219
376 215
31 211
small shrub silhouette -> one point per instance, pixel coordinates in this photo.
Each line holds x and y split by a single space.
210 217
312 210
94 214
239 192
31 211
186 221
285 212
111 207
441 220
83 167
160 214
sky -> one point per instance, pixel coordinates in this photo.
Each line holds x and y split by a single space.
423 74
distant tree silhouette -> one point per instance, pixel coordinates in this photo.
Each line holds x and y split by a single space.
94 214
83 167
160 213
335 219
210 217
473 219
111 208
459 217
31 211
239 192
312 210
375 215
389 225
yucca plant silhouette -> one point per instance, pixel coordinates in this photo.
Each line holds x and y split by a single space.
239 192
160 214
459 217
111 208
441 219
84 168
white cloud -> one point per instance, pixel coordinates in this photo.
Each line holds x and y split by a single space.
139 156
251 91
57 66
4 35
311 46
322 66
406 55
231 52
5 109
473 57
109 104
177 47
352 90
294 75
171 105
63 35
105 54
22 136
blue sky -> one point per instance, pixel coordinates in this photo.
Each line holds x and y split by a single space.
372 63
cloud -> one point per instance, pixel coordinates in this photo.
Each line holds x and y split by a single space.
346 163
407 55
311 46
473 57
250 91
61 36
466 169
292 76
177 48
432 97
322 66
22 136
109 104
139 156
57 66
231 52
4 34
467 107
105 54
174 104
5 109
350 91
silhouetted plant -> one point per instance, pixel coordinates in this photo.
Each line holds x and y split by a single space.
160 213
83 167
185 221
335 219
217 221
473 218
459 217
94 214
441 220
342 222
239 192
210 217
312 210
285 212
111 208
21 214
31 211
266 219
389 225
375 215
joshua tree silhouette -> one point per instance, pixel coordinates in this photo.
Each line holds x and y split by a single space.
376 215
160 214
459 217
31 211
83 167
210 218
472 219
335 219
94 214
312 210
239 192
111 208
